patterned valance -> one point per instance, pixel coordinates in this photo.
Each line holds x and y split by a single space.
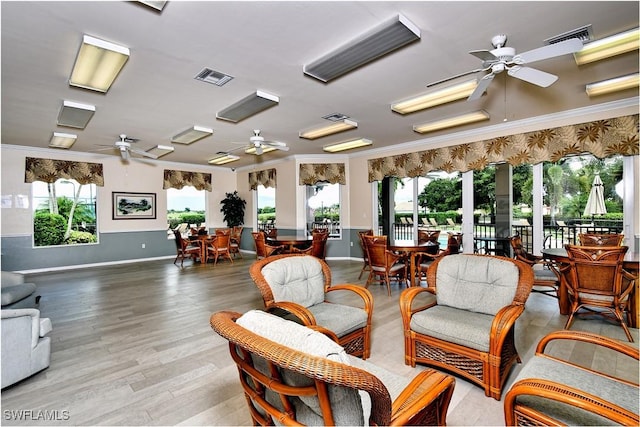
178 179
312 173
50 171
603 138
266 178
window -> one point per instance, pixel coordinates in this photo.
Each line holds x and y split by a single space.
185 208
64 213
323 208
266 203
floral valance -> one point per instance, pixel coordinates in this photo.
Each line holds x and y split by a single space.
602 138
178 179
312 173
266 178
49 170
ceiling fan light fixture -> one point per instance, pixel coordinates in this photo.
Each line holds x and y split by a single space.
613 85
192 135
373 44
347 145
475 116
607 47
433 98
160 150
62 140
248 106
75 115
223 158
330 129
98 64
157 5
254 150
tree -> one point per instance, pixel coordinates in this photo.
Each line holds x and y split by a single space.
484 187
441 195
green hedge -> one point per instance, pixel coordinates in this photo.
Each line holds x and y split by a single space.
48 229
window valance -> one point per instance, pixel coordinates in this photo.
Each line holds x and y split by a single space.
312 173
49 170
178 179
266 178
602 138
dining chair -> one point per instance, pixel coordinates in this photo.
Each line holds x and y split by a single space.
263 249
185 248
546 280
428 236
425 259
220 246
271 232
234 240
597 282
600 239
384 264
318 244
365 253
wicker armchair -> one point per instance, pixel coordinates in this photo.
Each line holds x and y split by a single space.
464 320
298 284
294 375
552 391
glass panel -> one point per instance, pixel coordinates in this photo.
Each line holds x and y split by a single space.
323 208
64 213
266 197
186 209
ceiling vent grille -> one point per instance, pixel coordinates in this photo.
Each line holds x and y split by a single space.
585 34
335 117
217 78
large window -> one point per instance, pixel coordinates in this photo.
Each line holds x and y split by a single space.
185 208
323 208
266 207
64 213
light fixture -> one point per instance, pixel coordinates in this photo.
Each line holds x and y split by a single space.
373 44
265 149
157 5
191 135
347 145
450 122
248 106
437 97
98 64
608 47
223 158
613 85
75 115
62 140
330 129
160 150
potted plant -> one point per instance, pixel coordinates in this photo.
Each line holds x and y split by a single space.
233 209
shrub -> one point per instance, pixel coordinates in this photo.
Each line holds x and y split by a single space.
80 237
48 229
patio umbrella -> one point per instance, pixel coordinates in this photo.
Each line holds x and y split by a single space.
595 202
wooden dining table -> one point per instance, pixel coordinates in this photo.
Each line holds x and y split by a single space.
631 263
203 240
291 241
411 248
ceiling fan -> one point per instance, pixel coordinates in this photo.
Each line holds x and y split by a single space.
505 58
123 145
259 143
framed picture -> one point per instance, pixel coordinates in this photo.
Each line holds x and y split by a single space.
134 205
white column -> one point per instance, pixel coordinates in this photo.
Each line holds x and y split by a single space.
467 211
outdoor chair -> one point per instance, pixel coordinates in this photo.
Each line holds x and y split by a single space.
263 249
220 246
294 375
550 390
451 223
597 239
464 320
546 280
384 264
185 248
433 222
597 282
297 286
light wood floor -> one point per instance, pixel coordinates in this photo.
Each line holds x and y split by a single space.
131 345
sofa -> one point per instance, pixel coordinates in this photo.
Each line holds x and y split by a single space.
16 293
25 348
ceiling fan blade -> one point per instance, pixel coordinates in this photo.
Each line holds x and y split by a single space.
531 75
483 84
551 51
485 55
477 70
143 153
280 147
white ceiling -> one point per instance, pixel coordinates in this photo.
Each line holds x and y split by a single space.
264 45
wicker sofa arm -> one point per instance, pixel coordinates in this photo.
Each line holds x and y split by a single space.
427 299
364 294
300 312
504 320
563 394
588 337
426 396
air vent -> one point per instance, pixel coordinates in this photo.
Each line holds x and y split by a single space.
214 77
585 34
335 117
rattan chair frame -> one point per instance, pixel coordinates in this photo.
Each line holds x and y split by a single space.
594 272
365 253
517 413
220 246
540 284
600 239
184 249
263 249
383 263
489 369
356 343
423 402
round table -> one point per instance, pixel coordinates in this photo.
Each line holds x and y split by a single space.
411 247
290 241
